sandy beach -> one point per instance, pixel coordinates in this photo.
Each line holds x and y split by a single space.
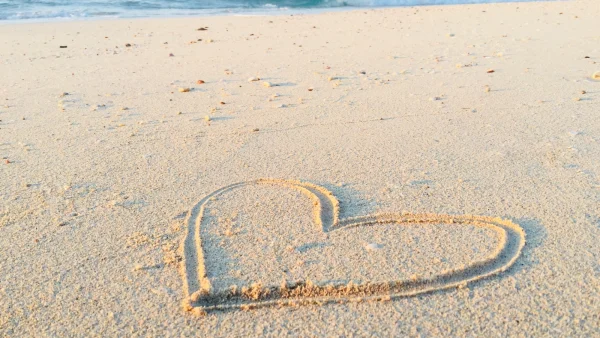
434 171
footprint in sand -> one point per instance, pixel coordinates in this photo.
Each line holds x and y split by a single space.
204 292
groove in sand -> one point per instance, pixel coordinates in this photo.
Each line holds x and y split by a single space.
199 299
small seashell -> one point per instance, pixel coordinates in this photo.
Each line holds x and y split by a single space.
373 247
184 90
253 79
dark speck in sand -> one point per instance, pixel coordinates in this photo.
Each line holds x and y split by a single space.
63 46
128 45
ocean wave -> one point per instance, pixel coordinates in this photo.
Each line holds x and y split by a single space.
47 9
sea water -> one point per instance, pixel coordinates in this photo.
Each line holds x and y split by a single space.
66 9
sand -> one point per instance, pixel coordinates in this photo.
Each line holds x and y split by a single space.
486 110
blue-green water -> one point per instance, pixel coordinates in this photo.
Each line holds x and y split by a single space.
46 9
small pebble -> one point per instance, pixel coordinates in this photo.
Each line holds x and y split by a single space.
184 90
491 71
267 84
252 79
583 92
255 129
577 99
200 82
596 76
207 118
128 45
486 89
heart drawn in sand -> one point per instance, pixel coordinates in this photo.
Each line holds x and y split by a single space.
200 297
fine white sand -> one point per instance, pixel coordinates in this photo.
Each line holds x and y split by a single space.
392 110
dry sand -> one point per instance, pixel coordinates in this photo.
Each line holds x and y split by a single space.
392 110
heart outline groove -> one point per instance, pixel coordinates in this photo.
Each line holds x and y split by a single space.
199 299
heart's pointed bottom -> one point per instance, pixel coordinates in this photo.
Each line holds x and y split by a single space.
199 298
